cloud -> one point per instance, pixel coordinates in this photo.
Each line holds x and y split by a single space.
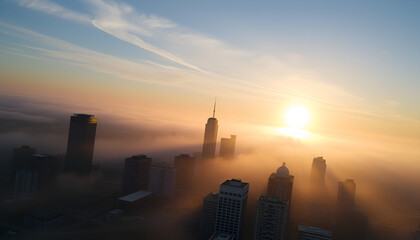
54 9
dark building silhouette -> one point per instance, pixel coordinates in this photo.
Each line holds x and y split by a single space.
26 183
280 184
346 195
47 168
185 171
80 143
136 173
21 160
351 223
227 147
162 179
208 215
210 137
231 205
271 221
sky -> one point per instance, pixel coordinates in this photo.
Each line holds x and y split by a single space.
159 65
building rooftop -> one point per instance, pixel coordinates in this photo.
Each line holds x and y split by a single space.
235 183
272 199
132 197
314 230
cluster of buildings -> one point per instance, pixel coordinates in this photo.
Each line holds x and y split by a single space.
224 212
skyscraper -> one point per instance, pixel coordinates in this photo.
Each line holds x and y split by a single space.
227 147
319 167
208 215
21 160
80 143
210 137
185 171
162 179
233 197
351 223
136 173
280 184
271 221
345 197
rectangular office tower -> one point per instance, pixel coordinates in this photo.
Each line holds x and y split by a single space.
185 171
162 179
313 233
136 173
227 147
233 197
271 222
80 143
208 215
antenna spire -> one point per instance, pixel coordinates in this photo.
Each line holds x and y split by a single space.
214 108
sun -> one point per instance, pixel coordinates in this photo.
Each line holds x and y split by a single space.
297 117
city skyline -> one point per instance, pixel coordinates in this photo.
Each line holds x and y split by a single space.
330 88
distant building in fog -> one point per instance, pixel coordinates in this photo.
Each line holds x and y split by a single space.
136 173
208 215
210 137
80 143
280 184
47 168
313 233
351 223
233 197
185 171
26 183
227 147
346 195
162 179
21 160
271 220
319 168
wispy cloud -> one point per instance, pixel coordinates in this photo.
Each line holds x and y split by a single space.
54 9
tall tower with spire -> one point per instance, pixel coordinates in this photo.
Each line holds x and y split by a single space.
210 137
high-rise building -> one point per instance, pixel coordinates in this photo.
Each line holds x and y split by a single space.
346 195
47 168
210 137
227 147
233 197
26 183
271 221
136 173
162 179
21 160
319 168
280 184
351 223
80 143
313 233
208 215
185 171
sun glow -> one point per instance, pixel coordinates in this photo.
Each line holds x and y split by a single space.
296 117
